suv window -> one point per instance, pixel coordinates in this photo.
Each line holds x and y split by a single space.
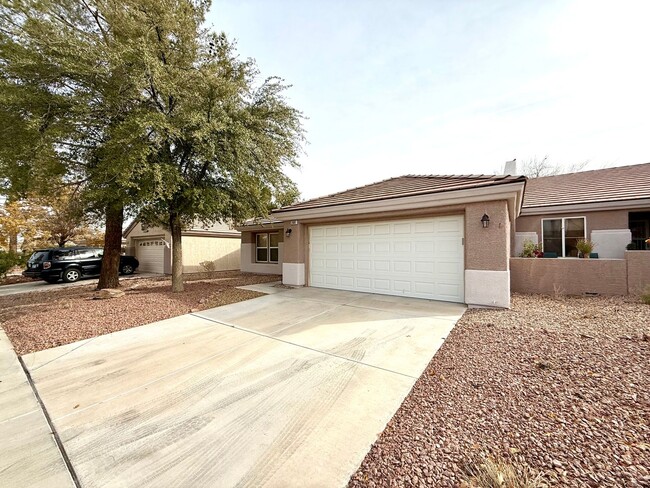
85 254
63 255
39 256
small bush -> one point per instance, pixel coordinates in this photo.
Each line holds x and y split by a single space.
489 472
9 260
585 246
631 246
531 250
208 265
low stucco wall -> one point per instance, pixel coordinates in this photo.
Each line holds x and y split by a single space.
223 251
638 271
569 276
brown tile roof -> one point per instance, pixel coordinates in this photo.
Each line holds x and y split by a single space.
404 186
601 185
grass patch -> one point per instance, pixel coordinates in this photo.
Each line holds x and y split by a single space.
495 472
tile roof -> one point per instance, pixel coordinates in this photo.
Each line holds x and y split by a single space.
404 186
601 185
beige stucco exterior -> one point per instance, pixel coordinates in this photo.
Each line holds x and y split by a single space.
486 250
572 276
218 243
600 220
638 271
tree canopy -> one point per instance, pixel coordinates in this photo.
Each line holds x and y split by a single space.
149 110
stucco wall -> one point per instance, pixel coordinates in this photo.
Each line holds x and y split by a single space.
610 219
638 271
223 251
487 249
248 263
569 276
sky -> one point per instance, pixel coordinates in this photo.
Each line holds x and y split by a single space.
452 87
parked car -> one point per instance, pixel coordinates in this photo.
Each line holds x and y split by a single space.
72 263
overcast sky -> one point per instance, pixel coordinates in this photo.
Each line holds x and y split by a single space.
452 87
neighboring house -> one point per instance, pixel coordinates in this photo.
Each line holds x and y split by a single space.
219 244
435 237
610 206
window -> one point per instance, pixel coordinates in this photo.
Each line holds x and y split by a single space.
561 235
266 247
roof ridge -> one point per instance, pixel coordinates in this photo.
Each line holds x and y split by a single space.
592 170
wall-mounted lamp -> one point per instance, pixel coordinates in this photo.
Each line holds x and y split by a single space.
485 220
288 232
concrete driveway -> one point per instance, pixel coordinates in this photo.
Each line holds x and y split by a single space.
289 389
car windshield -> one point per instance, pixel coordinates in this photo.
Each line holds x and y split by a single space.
38 256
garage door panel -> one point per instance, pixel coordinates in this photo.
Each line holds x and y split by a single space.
150 254
421 258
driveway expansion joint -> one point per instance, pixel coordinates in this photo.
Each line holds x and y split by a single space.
53 431
243 329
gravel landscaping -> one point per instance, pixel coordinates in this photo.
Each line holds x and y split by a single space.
40 320
558 388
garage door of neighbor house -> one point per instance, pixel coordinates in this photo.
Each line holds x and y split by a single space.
421 258
151 254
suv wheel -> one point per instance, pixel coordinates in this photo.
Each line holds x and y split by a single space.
71 275
127 269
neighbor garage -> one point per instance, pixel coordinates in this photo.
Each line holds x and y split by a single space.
151 255
421 258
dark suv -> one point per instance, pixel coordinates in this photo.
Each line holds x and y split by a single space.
71 263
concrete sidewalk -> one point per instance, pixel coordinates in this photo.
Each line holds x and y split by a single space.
29 455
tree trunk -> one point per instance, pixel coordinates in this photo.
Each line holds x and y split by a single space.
13 242
110 272
177 252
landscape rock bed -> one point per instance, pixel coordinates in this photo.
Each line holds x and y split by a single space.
40 320
559 386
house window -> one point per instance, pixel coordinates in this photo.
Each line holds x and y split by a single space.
266 247
561 235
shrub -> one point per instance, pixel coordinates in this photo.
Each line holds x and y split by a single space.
631 246
8 260
208 265
585 246
531 250
488 472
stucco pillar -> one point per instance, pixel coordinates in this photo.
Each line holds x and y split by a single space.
293 261
487 255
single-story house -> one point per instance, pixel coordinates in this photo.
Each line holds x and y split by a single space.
436 237
218 244
610 207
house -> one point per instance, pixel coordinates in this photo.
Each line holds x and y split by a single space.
219 244
610 207
435 237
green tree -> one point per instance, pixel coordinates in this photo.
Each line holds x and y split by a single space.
72 78
225 139
148 108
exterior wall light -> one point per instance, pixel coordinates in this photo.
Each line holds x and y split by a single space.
485 220
288 232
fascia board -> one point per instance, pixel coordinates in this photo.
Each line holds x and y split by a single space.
457 197
587 207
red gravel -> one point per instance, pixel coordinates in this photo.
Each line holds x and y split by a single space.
556 385
44 319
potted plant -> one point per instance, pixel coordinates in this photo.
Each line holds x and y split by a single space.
585 247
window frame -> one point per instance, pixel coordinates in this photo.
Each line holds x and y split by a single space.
268 247
563 228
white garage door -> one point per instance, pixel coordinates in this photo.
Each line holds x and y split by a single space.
151 254
421 258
